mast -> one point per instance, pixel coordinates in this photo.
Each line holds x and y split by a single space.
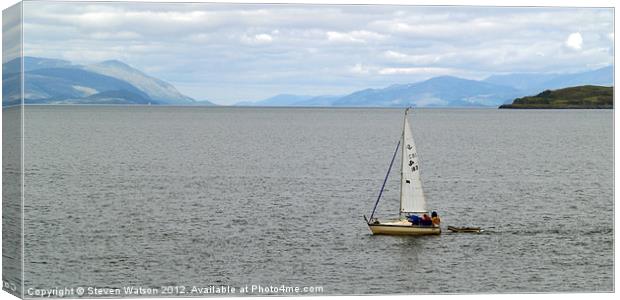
402 139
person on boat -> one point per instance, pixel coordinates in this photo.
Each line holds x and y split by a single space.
435 219
426 220
415 220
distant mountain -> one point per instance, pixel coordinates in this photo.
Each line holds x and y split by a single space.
449 91
521 81
111 97
587 96
60 81
601 77
319 101
292 100
530 83
201 103
435 92
107 97
56 84
277 100
156 89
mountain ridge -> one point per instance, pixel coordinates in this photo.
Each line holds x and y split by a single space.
434 92
158 90
60 81
56 81
451 91
537 82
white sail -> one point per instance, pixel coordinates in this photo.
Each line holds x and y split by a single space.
411 194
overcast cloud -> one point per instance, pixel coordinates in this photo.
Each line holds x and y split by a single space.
229 53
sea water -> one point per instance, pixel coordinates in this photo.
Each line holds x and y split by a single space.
152 197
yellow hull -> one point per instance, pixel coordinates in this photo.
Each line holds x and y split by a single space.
402 227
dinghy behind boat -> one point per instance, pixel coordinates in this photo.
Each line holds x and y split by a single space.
465 229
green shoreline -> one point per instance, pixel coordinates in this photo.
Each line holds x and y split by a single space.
578 97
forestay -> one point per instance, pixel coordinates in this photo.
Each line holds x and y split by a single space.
412 196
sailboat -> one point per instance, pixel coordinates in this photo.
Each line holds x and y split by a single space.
412 200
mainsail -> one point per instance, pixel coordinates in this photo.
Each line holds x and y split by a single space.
411 194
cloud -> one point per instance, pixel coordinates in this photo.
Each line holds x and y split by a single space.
574 41
342 37
257 39
11 33
263 37
360 69
207 50
414 59
122 35
358 36
418 70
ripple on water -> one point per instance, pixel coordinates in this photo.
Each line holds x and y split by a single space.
276 196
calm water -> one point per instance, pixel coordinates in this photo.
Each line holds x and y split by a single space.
152 196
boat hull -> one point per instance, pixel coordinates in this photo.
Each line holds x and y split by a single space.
402 228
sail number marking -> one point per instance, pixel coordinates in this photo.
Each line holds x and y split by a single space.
412 163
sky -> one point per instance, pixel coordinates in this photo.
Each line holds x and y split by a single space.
229 53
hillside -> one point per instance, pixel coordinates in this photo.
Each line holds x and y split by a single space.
158 90
587 96
434 92
449 91
442 91
54 81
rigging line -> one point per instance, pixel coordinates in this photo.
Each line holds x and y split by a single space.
384 181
